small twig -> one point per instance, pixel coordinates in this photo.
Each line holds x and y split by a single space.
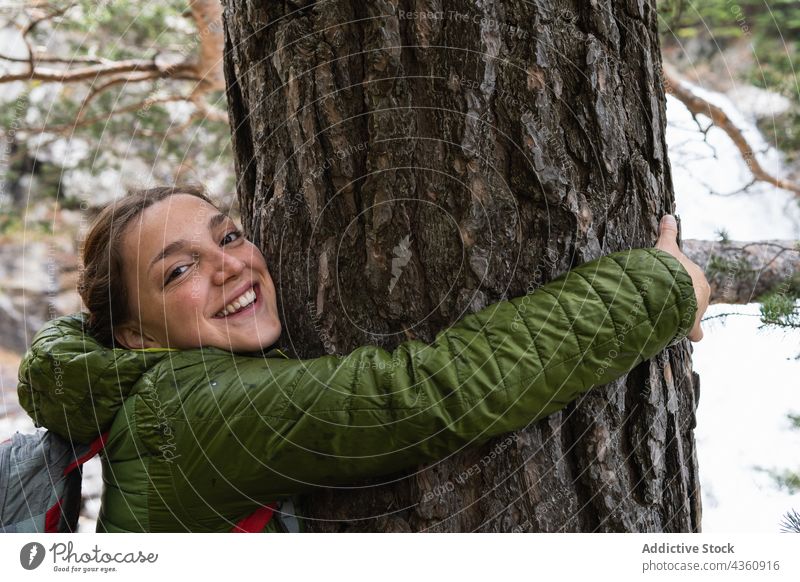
33 24
144 104
704 319
741 190
44 58
132 78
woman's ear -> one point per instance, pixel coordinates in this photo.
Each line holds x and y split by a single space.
132 338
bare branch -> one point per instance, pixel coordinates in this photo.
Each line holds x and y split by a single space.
742 190
131 78
45 58
698 105
740 272
55 12
93 72
205 69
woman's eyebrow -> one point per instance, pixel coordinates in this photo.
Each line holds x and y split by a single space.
178 245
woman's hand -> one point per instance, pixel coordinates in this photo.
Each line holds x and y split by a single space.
668 241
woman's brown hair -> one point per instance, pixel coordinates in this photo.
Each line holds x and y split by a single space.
101 282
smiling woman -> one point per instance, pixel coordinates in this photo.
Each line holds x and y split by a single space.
164 268
206 438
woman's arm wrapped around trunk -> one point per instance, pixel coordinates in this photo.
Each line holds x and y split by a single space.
302 423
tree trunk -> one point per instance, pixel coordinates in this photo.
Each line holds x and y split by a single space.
403 164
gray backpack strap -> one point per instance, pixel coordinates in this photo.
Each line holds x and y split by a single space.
286 515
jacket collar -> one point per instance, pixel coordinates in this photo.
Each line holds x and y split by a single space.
72 385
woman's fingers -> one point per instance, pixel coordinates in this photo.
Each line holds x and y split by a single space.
668 242
702 291
668 235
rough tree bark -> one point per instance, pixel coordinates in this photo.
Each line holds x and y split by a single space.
400 170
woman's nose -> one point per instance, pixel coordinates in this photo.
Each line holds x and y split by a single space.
227 266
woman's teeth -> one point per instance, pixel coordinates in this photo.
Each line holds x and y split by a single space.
240 303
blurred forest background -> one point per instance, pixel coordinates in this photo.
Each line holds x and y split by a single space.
100 97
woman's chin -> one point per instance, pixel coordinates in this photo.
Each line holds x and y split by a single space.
268 335
254 339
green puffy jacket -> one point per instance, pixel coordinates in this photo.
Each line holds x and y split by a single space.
199 439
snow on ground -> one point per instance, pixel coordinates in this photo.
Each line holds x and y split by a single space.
749 378
748 383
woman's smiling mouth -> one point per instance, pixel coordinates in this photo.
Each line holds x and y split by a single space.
244 303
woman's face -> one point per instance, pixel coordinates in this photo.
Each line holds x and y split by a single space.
193 280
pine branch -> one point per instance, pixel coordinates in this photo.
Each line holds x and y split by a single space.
791 522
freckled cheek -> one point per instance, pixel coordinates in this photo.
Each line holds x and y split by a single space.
271 301
188 302
254 255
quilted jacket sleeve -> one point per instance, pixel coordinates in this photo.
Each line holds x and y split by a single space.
335 419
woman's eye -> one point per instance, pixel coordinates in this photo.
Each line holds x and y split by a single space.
176 273
235 233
